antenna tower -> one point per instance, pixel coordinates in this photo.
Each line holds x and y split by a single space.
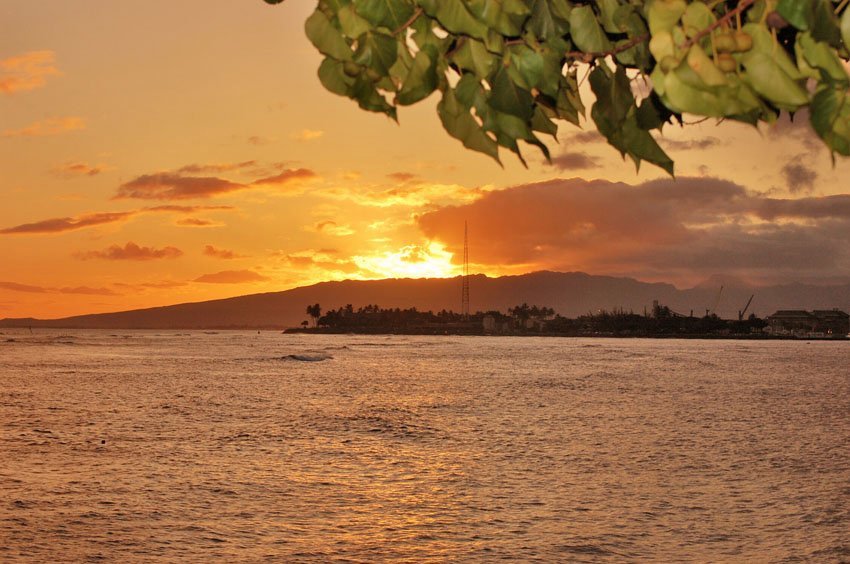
465 297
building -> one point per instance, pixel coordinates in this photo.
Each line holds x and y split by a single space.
799 322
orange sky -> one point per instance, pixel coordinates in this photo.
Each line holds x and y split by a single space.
162 152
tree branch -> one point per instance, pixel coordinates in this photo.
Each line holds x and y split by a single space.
727 17
408 23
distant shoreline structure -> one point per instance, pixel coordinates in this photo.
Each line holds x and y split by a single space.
525 320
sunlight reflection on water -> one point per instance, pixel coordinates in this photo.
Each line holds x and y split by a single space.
185 445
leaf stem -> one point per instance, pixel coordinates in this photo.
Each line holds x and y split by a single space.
587 57
724 20
419 11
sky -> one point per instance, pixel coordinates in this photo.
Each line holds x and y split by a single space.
165 152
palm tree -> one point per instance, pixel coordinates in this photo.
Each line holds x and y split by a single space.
314 311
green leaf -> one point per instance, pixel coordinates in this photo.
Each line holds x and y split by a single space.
471 55
368 97
767 78
333 77
506 96
663 15
696 18
586 32
327 39
830 118
460 124
454 17
377 51
542 22
391 14
825 26
607 15
503 16
845 28
351 23
541 122
820 56
799 13
526 65
422 79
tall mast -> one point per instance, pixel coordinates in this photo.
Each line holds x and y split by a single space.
465 297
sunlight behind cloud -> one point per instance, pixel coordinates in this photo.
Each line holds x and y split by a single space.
412 261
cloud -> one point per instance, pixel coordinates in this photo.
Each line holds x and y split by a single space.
325 260
797 127
407 195
689 144
225 254
215 168
333 228
187 209
27 71
259 140
285 177
198 222
72 169
799 177
175 186
83 290
61 224
51 126
15 287
131 251
584 138
307 135
231 277
171 186
402 176
576 161
86 291
669 229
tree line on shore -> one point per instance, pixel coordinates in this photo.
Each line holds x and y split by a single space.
525 319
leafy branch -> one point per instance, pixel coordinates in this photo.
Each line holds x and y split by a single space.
505 71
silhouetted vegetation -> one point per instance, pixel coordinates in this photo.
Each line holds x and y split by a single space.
526 319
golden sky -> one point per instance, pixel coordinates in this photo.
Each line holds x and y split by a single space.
162 152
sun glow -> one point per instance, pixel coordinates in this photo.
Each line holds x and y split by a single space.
413 261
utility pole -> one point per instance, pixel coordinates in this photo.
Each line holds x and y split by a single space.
464 307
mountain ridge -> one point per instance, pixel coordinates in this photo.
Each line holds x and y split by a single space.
569 293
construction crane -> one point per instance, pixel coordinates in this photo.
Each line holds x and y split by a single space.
743 312
716 303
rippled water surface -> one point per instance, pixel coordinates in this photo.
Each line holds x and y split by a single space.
245 447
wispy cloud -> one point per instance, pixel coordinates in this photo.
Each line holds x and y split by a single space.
332 228
60 224
51 126
689 144
231 277
27 71
575 160
198 222
63 224
131 251
226 254
215 168
799 177
72 169
307 135
176 186
81 290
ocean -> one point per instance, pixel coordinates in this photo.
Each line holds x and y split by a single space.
245 447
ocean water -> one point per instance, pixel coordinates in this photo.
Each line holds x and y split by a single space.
244 447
